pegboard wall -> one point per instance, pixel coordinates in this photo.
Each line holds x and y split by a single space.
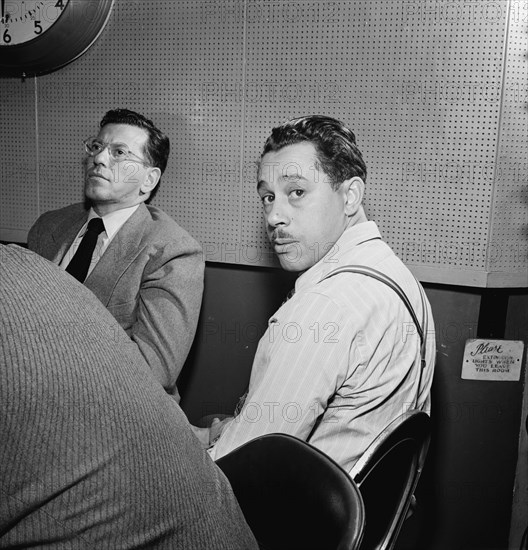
436 92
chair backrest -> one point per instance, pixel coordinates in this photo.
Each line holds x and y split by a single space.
294 496
387 475
524 540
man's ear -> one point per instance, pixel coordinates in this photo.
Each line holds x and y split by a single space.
353 189
151 180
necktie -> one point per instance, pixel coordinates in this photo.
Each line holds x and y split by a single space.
289 295
79 264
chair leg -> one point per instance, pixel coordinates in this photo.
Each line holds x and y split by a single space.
412 507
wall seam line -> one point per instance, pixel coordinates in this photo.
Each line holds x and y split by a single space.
37 143
243 133
496 171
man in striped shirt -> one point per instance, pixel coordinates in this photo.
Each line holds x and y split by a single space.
341 358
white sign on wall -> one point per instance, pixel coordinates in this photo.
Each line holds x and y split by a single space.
492 360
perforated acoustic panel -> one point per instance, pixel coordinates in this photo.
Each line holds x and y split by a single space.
508 244
18 159
436 92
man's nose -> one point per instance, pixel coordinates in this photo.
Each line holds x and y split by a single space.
278 214
102 157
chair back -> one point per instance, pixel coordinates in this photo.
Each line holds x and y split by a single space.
387 475
524 540
294 496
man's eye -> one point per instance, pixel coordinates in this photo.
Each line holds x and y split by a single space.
96 147
267 199
297 193
120 152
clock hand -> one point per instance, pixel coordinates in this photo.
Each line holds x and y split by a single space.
3 8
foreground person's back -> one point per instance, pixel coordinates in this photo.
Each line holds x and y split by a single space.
93 453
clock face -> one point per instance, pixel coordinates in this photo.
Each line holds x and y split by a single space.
40 36
22 21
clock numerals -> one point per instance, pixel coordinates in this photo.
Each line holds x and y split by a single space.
41 36
24 21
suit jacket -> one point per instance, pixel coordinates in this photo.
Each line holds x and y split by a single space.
150 278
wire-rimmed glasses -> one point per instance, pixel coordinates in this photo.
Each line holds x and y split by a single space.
119 152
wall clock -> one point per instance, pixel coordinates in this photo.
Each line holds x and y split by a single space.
37 37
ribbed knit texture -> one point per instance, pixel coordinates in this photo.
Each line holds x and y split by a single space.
93 453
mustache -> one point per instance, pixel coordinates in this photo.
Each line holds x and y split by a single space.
280 234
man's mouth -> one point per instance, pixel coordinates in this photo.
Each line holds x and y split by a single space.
98 175
281 238
282 242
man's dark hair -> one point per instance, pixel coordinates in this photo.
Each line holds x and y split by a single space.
337 152
157 147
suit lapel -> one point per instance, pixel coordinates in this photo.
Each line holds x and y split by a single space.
63 236
122 251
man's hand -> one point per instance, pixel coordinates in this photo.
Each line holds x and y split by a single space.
217 427
203 436
208 436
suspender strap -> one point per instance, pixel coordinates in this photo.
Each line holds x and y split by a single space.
385 279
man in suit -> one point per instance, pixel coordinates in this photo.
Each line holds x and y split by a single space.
93 453
145 268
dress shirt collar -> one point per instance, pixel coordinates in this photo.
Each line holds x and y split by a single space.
115 220
350 238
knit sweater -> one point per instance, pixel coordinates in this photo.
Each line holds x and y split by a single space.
93 453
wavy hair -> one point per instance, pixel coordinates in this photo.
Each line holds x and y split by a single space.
335 145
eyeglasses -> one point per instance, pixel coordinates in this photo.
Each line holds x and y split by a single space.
119 152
